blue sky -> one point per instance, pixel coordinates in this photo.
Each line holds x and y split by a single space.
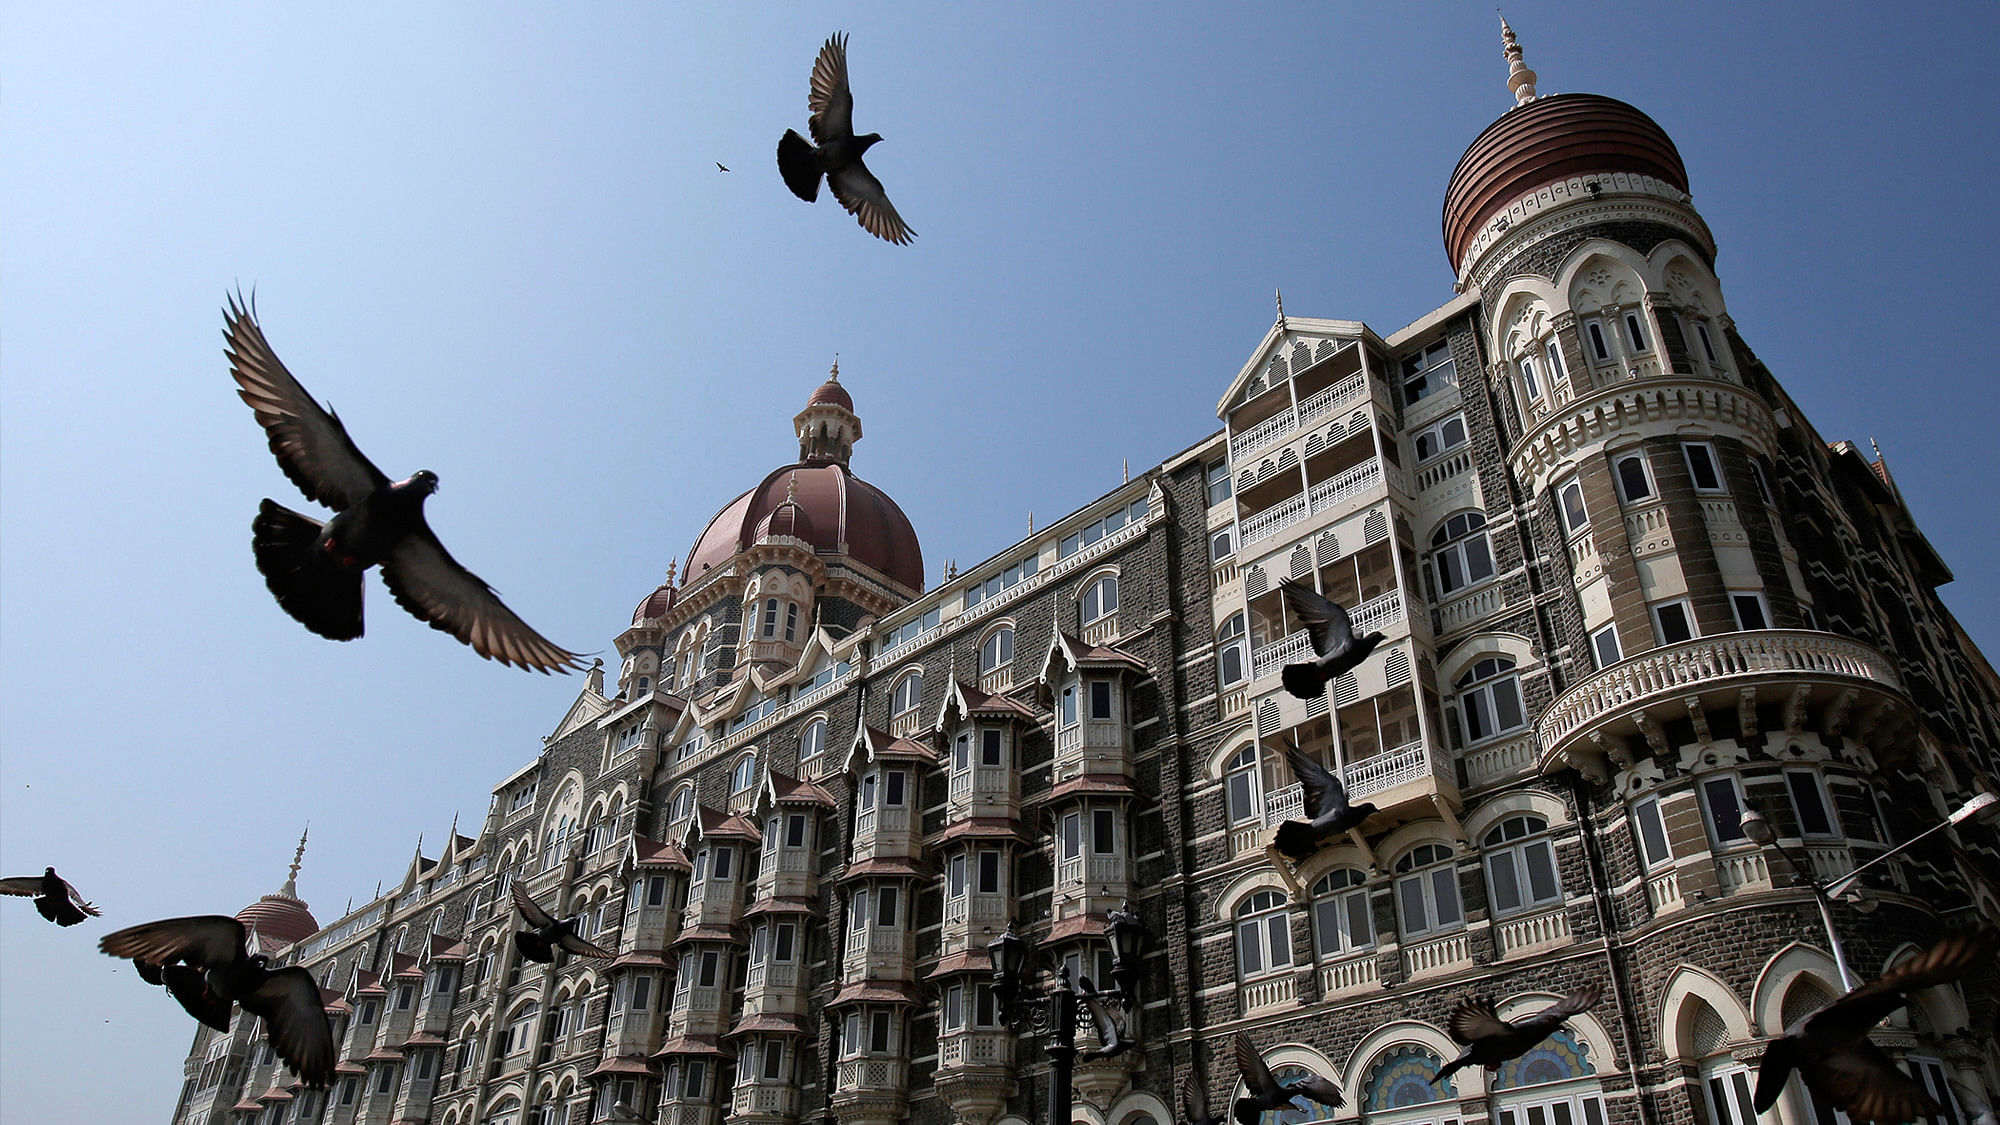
493 235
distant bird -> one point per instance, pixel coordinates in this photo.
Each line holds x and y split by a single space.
1194 1104
54 898
1490 1040
540 943
720 167
1333 639
1110 1028
315 569
215 948
1326 802
1266 1092
1831 1051
838 152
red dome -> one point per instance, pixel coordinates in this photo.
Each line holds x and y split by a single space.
836 511
279 918
655 604
1550 139
831 391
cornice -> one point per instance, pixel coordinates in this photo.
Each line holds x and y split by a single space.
1629 405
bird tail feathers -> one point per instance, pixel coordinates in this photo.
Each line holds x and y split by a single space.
1305 680
322 595
796 164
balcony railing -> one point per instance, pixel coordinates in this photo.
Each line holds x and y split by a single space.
1550 927
1270 521
872 1074
1347 976
1440 955
1092 870
974 909
1263 434
1444 468
1354 481
1492 763
1281 991
1384 771
766 1099
1291 649
1738 870
975 1048
1377 612
1673 671
1323 403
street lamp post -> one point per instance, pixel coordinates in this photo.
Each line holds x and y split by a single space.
1054 1012
1847 887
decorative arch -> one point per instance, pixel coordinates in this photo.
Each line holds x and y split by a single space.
1284 1060
1247 884
1479 646
1228 747
1137 1104
1774 982
1537 295
1533 802
1392 846
1690 284
1587 1036
1601 272
1679 1007
1385 1040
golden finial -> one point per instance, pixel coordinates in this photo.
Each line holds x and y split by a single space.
1520 80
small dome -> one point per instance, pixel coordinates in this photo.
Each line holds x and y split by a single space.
279 920
834 510
656 603
831 392
1551 138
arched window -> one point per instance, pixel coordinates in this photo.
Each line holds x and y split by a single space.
1101 599
1427 891
1263 935
770 618
1460 553
1241 786
997 650
1401 1078
520 1028
683 805
1342 924
1489 699
813 741
1231 651
908 693
1521 865
744 775
1633 483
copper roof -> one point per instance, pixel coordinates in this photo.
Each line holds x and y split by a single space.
982 827
831 391
844 515
1549 139
715 822
788 790
772 1023
650 958
405 966
888 866
690 1045
882 744
424 1039
279 919
711 933
1116 784
1076 925
782 904
964 961
878 991
447 949
980 703
653 853
622 1064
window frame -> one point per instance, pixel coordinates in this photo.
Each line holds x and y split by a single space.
1827 814
1426 877
1339 908
1713 467
1264 918
1570 507
1598 641
1708 786
1481 683
1625 493
1517 855
1685 607
1646 813
1457 545
1092 606
1755 598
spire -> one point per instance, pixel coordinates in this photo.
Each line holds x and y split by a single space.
833 376
672 565
1520 80
792 488
291 887
1281 309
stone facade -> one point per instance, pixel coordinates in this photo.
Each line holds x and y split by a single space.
1627 590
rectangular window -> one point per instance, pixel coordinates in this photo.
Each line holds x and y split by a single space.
1103 832
1528 381
885 907
867 799
1600 349
989 872
795 830
850 1042
642 993
1633 484
1569 499
894 795
1069 706
878 1032
1809 802
1729 1100
961 753
711 962
1650 829
791 622
1673 621
1072 835
1749 609
723 856
1218 483
1100 699
984 1012
1763 480
1635 332
1707 343
989 748
760 942
1604 643
656 890
697 1079
953 1017
781 949
1553 349
1221 545
1702 466
405 995
954 878
774 1061
385 1079
1723 803
859 907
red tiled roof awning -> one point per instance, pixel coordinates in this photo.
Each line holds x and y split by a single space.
711 933
1077 925
346 1067
787 790
982 827
384 1053
424 1039
878 991
274 1095
653 853
715 822
405 967
964 961
892 866
648 958
782 904
689 1045
623 1064
772 1024
1106 784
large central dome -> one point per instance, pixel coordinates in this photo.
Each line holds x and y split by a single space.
818 499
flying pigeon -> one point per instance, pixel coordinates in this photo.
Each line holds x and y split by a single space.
1326 800
315 569
1332 638
215 948
1490 1040
540 943
1110 1029
720 167
1266 1092
1194 1104
1831 1051
838 151
54 898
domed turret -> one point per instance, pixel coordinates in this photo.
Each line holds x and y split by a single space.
282 918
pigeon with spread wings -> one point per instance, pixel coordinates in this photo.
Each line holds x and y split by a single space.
217 948
1490 1040
835 151
1326 801
1831 1051
315 569
1266 1092
1111 1038
1194 1104
54 898
1339 650
548 934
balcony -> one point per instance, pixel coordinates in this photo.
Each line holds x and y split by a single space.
1376 613
1519 933
971 910
1281 991
1439 955
765 1099
975 1049
1488 764
1351 975
1823 681
1279 427
1263 435
685 1113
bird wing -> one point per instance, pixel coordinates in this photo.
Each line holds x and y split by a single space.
1256 1076
189 987
831 102
27 886
1864 1082
1535 1028
428 582
77 901
1474 1019
581 947
1325 795
311 445
1319 1088
295 1019
1107 1026
861 193
1194 1103
535 915
206 940
1849 1018
1332 631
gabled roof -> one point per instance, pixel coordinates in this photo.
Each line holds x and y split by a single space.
588 706
1335 331
403 966
1068 654
728 826
643 851
878 743
784 789
966 700
442 948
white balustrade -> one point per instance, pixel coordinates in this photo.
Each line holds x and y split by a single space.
997 681
1291 649
1349 975
1271 992
872 1074
1664 891
1491 763
1386 771
1261 435
1270 521
1739 870
1377 612
1439 955
1829 862
1550 927
1444 469
1353 482
1322 403
1464 610
1285 804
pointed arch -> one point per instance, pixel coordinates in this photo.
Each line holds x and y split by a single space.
1688 991
1774 982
